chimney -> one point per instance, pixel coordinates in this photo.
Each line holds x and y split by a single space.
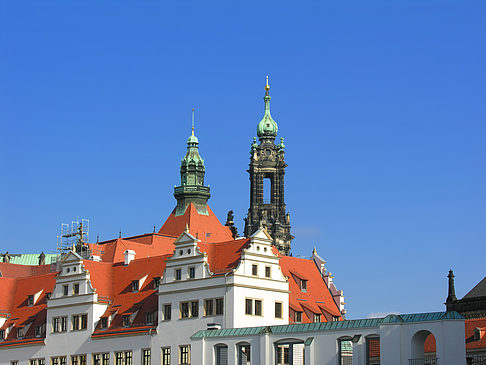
129 256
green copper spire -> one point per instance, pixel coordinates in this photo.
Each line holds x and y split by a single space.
192 189
267 126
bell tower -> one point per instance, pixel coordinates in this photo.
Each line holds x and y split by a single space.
267 171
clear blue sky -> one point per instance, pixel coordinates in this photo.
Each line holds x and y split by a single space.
381 103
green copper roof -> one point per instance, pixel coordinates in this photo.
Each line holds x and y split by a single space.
192 155
267 126
329 326
30 258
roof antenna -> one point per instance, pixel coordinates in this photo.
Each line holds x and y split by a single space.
192 121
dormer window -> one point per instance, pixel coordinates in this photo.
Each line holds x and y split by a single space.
149 317
298 317
2 335
126 320
30 300
104 322
477 334
135 285
156 282
303 285
20 332
317 318
38 331
48 295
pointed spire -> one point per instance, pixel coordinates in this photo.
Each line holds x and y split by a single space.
267 87
314 251
192 121
452 291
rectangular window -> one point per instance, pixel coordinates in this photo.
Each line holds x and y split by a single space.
254 270
278 310
209 307
14 362
38 331
192 272
58 360
123 358
372 351
149 317
268 272
178 274
184 354
303 285
2 334
96 359
317 318
65 290
298 317
126 320
219 306
79 360
20 332
283 354
167 312
59 324
30 300
104 322
105 358
335 318
76 288
345 352
244 355
249 306
165 355
41 361
79 322
258 307
135 284
189 309
146 357
156 282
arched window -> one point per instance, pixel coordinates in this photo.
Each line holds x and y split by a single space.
345 351
221 351
243 350
290 352
423 348
373 350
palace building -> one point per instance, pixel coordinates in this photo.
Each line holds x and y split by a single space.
195 293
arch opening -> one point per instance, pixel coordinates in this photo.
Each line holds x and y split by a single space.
423 349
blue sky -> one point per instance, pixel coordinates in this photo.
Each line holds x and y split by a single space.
381 104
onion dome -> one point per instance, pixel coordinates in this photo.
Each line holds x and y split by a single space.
267 126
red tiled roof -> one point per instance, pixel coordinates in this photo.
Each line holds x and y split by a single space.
206 228
471 344
317 298
9 270
223 257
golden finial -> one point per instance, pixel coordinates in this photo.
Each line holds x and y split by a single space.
192 121
267 87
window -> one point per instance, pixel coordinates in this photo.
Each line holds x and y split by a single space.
20 332
219 306
253 307
178 274
2 334
38 331
40 361
209 307
135 284
185 354
76 288
149 317
192 272
268 272
156 282
244 355
335 318
101 359
145 356
283 354
59 324
48 295
345 352
298 317
65 290
78 360
104 322
30 300
221 355
189 309
278 310
249 306
79 322
317 318
58 360
167 312
254 270
165 355
123 358
373 350
303 285
14 362
126 320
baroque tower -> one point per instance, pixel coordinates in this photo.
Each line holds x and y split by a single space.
192 189
267 171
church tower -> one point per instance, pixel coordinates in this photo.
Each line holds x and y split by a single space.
192 189
267 171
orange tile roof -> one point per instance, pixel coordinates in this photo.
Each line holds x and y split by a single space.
9 270
223 257
316 299
206 228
